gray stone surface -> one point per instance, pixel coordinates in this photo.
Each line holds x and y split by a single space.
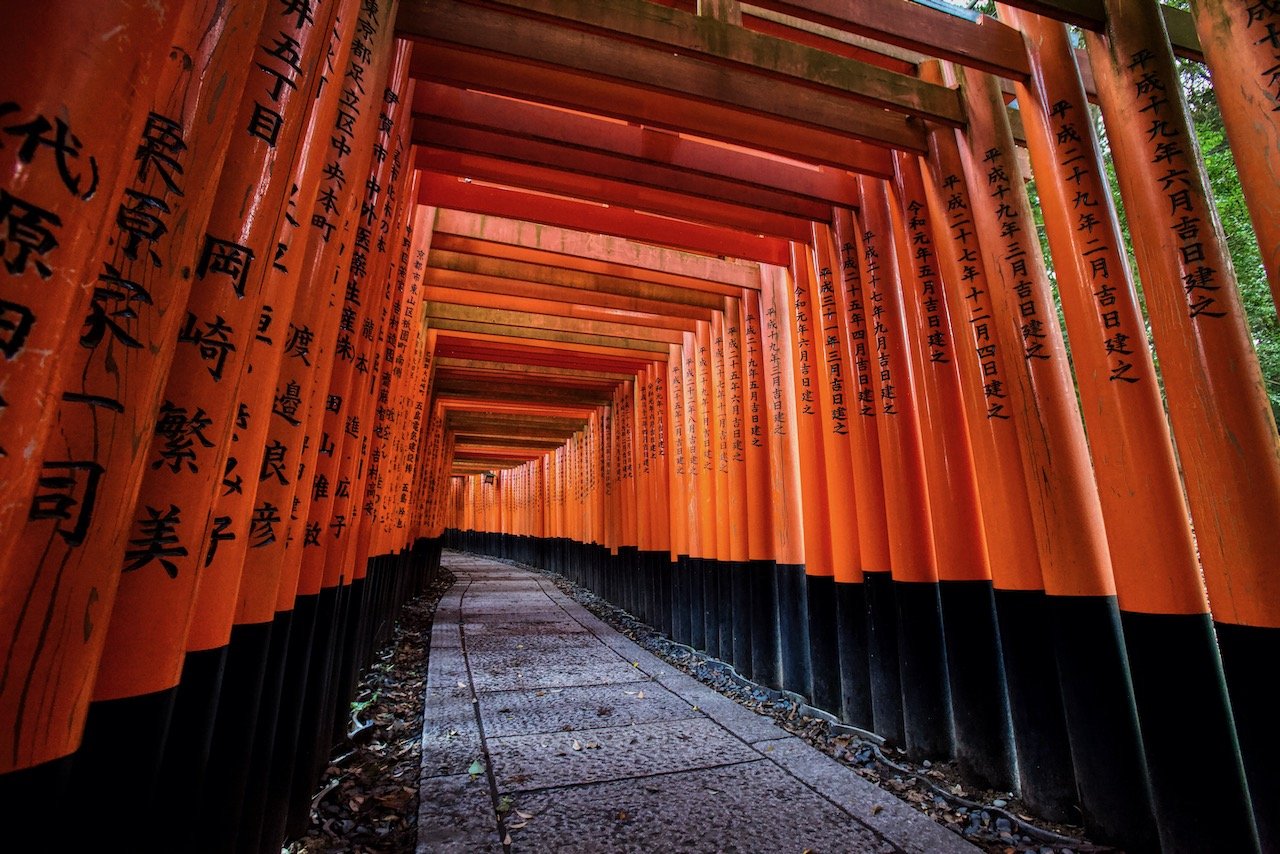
613 753
579 708
750 807
911 830
661 762
455 814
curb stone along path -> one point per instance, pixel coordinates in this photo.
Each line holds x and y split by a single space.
586 742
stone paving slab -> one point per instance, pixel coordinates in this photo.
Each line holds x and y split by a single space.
579 708
750 807
664 762
613 753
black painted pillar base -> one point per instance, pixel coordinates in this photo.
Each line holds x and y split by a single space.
1045 772
725 569
824 646
288 722
882 656
793 629
318 663
264 737
1179 688
1249 656
711 606
765 665
1102 721
979 700
697 636
680 573
222 799
740 583
38 795
922 657
114 776
186 754
851 644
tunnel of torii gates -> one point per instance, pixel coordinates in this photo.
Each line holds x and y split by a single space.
736 314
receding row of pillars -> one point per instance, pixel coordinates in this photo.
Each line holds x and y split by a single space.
887 486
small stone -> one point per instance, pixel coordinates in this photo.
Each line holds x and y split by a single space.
999 802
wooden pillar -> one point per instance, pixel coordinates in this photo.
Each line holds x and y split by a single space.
694 488
1222 420
760 509
921 655
846 600
73 109
62 573
868 484
993 412
720 577
1085 621
1172 651
678 462
776 296
172 520
739 597
819 581
983 741
1241 43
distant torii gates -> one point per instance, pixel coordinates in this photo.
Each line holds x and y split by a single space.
736 313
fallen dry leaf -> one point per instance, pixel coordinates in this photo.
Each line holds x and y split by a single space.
577 745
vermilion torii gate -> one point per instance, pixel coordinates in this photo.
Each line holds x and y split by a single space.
736 313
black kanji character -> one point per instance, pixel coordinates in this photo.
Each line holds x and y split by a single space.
64 486
226 258
157 540
221 533
15 325
181 432
26 229
273 462
66 147
262 526
161 144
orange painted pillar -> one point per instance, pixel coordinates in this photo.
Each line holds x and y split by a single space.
642 499
1173 654
763 597
979 701
172 518
1241 44
677 463
707 492
62 573
846 599
69 128
721 575
868 485
1222 420
1101 719
921 654
824 663
698 538
738 597
992 409
776 298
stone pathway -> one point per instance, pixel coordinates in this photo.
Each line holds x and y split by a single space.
584 742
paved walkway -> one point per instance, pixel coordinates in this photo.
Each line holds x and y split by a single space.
583 741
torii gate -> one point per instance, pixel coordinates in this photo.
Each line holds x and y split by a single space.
735 312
